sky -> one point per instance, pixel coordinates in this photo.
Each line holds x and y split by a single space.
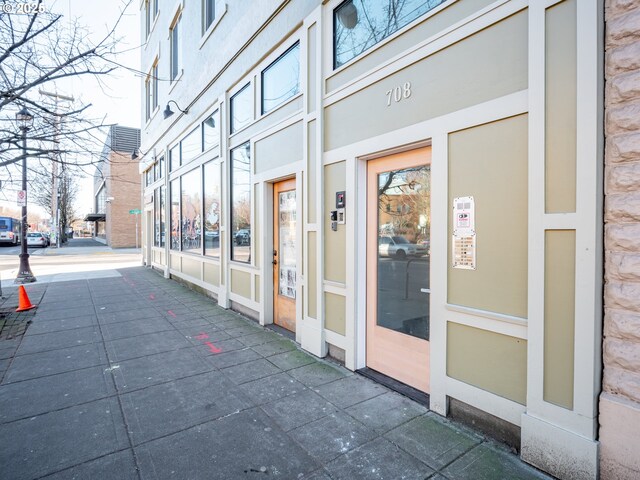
118 99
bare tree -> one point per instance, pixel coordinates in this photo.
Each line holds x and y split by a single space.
36 51
42 188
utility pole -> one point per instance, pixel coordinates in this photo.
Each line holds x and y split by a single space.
55 180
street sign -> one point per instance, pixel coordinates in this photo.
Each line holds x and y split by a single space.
135 211
22 198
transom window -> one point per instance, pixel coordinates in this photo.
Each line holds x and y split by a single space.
281 79
241 108
360 24
210 131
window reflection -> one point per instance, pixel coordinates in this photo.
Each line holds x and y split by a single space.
191 146
241 108
404 218
241 204
174 157
212 209
175 214
191 208
281 79
210 131
360 24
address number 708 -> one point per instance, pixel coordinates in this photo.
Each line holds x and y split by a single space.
398 93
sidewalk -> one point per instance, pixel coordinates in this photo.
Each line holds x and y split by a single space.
137 376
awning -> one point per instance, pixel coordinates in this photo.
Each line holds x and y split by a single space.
95 217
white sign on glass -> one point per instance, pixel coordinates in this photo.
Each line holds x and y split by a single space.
463 240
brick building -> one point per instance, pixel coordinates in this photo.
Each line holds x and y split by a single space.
620 398
116 189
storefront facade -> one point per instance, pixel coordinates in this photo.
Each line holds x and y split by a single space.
421 197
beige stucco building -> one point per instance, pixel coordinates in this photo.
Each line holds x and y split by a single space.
419 194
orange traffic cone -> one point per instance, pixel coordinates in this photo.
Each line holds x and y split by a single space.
23 300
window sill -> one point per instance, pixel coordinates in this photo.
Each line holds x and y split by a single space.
212 27
175 81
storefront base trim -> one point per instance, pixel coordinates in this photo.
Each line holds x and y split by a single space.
311 337
559 452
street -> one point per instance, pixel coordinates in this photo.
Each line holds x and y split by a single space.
78 259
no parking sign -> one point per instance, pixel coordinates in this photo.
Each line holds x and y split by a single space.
22 198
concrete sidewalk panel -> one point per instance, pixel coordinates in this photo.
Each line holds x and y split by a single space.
280 345
65 303
105 316
143 345
115 331
45 394
258 338
63 324
200 334
120 465
348 391
487 462
385 412
220 352
378 459
433 440
81 433
316 374
292 359
161 410
64 314
298 409
56 340
243 330
236 446
114 307
160 368
273 387
332 436
249 371
55 361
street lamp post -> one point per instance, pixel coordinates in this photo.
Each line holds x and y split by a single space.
25 121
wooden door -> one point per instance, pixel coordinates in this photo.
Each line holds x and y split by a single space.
284 254
398 254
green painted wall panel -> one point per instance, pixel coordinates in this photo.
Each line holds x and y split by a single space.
491 361
560 107
334 242
489 163
559 316
334 313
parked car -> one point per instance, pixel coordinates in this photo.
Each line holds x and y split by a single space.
47 235
36 239
399 247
